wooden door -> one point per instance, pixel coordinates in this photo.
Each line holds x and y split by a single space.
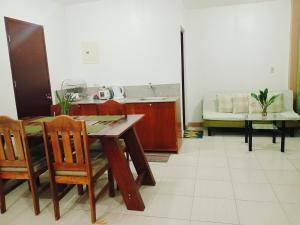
29 66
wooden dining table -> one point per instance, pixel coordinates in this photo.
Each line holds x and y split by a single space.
110 129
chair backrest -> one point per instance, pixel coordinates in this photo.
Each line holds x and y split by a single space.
66 145
13 144
111 107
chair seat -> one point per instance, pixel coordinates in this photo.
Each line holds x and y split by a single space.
98 162
38 163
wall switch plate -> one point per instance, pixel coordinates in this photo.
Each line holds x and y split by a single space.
90 52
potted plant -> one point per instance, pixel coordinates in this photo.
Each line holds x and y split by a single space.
264 101
65 102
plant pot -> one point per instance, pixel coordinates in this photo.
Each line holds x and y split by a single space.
264 112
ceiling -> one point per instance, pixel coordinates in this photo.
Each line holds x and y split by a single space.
196 4
189 4
74 1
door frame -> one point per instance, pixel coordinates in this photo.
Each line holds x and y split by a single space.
183 77
6 20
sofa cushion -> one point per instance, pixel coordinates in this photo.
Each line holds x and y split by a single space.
290 115
254 106
225 103
224 116
277 105
240 103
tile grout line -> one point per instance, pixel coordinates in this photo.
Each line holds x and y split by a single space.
233 189
195 180
269 182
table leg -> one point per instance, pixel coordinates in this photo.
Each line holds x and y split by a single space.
283 136
246 131
250 130
274 133
138 158
122 174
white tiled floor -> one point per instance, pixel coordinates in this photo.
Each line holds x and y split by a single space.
213 181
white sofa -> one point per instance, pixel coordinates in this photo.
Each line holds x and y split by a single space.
213 118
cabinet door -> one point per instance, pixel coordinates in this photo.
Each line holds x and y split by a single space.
88 109
144 127
164 129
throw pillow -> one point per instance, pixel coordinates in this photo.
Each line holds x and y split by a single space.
254 106
240 103
225 103
277 105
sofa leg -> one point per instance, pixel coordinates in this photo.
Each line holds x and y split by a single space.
292 132
209 131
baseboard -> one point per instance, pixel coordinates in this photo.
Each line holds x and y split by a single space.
195 124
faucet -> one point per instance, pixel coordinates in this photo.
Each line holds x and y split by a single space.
150 85
152 88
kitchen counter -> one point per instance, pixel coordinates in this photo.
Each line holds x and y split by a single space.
160 128
130 100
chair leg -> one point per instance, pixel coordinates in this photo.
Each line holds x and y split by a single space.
2 197
80 189
38 181
34 194
111 184
55 199
29 186
92 201
127 156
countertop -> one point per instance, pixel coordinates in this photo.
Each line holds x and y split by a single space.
130 100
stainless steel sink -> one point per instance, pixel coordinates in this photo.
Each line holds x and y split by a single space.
153 98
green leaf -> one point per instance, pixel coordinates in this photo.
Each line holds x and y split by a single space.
256 97
272 100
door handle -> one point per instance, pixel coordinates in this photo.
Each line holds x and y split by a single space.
48 96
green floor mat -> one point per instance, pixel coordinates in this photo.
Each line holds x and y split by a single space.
193 134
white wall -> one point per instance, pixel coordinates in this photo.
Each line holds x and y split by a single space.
227 48
52 16
234 48
139 41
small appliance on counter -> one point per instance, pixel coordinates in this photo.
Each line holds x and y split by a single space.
104 93
118 92
74 87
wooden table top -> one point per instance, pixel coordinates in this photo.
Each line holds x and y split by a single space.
110 128
121 126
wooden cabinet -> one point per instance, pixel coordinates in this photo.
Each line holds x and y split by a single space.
88 109
159 130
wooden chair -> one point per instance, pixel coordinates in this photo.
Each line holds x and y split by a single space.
71 162
17 161
111 107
